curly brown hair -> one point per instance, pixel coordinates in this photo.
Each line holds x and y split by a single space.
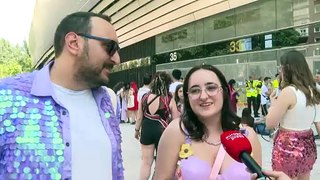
160 83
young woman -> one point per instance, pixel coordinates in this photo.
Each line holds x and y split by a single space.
233 94
193 141
178 97
246 118
132 103
156 110
295 109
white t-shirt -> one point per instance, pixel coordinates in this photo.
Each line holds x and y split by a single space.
264 95
91 151
173 86
142 91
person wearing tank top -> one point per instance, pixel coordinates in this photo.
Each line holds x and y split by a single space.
155 112
294 111
190 147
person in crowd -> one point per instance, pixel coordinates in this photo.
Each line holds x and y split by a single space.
176 78
265 93
251 94
246 118
258 84
132 102
189 147
178 97
233 95
124 93
276 81
117 90
294 110
317 79
156 110
59 122
146 86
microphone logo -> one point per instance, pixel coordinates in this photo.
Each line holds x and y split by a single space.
234 136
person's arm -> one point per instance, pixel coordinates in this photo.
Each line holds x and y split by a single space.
168 151
279 106
174 110
256 146
138 121
275 175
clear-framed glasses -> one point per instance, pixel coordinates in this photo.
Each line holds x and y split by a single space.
210 89
112 46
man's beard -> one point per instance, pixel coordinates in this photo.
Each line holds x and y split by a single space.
90 74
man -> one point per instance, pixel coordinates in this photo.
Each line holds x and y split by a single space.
317 79
265 93
251 94
275 83
145 88
258 84
176 76
59 122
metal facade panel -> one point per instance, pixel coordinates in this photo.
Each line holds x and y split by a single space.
134 21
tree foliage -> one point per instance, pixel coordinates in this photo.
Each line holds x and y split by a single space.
14 59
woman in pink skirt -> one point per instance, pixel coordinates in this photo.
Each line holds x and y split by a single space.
294 111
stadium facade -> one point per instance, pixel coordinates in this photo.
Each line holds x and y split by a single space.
240 37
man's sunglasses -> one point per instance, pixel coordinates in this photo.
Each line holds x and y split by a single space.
112 46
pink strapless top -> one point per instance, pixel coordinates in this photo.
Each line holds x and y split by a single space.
194 168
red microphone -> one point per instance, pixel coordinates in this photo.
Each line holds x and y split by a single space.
239 148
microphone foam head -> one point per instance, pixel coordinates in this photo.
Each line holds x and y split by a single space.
235 143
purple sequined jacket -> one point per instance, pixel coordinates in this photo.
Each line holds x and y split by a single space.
35 140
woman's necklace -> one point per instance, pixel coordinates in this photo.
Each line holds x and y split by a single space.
211 143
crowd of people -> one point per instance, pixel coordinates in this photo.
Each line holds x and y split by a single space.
63 122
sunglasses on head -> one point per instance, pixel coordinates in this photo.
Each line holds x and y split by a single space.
112 46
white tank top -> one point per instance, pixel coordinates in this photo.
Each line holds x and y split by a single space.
300 117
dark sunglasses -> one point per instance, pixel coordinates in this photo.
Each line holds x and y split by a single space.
112 46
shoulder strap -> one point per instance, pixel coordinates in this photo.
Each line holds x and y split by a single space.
217 163
148 103
152 100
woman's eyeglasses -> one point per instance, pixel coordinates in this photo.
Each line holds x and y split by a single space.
211 90
112 46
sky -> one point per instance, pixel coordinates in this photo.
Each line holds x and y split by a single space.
15 20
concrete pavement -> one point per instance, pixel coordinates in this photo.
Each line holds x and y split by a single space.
131 154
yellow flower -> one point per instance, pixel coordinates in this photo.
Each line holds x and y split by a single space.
185 151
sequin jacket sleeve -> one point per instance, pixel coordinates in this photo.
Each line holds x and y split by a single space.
115 127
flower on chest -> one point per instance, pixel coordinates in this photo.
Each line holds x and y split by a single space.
185 151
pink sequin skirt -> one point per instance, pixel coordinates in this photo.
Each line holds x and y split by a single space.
294 152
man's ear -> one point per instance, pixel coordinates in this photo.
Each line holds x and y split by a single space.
73 43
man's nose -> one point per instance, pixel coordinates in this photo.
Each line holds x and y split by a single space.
116 58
